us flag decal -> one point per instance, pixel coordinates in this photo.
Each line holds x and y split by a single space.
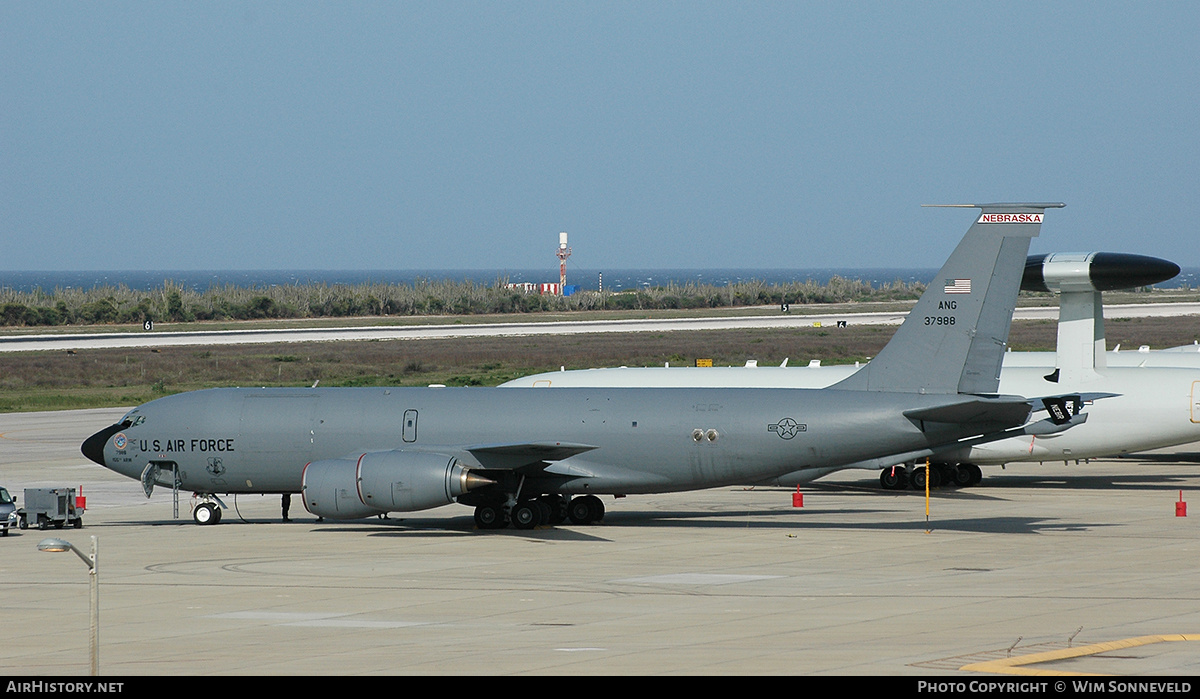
957 286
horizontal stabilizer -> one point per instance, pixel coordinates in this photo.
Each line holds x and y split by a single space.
1009 412
517 455
1040 428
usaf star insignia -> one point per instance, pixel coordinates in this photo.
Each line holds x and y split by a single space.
787 428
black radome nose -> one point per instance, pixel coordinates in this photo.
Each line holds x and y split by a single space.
1119 270
93 447
1107 271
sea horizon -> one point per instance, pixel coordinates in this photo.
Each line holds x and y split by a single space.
616 279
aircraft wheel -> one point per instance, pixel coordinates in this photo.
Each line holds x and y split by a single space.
526 515
587 509
976 473
918 477
489 517
578 511
206 513
962 475
597 508
558 508
545 512
894 478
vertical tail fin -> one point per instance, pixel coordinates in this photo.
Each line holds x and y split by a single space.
953 340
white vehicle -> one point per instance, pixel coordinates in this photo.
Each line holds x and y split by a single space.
8 512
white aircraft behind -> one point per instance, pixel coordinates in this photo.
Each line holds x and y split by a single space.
1157 401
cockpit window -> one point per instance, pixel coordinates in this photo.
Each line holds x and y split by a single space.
131 419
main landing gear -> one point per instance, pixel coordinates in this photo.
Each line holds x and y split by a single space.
902 476
540 511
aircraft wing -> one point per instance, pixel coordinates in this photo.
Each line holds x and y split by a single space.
517 455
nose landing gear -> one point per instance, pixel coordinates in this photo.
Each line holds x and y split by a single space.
207 512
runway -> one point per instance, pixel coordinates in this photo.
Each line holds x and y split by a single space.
1051 558
27 343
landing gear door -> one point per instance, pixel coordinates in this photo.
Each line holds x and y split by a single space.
410 425
149 477
153 475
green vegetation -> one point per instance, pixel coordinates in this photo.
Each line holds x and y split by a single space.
123 377
173 303
130 376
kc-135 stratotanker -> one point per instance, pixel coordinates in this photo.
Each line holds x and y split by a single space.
529 457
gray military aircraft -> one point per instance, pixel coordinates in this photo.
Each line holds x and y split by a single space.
530 457
1154 403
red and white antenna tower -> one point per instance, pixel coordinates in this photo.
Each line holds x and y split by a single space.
562 253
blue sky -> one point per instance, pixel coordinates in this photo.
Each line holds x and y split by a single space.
409 135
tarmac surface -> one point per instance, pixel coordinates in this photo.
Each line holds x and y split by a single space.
1065 568
28 343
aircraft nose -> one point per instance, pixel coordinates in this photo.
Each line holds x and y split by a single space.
93 447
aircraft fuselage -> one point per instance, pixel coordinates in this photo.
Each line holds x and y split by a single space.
638 440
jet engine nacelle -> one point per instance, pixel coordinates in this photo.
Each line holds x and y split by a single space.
1094 271
388 481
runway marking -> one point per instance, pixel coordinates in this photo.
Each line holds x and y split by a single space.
1016 666
315 619
353 624
273 616
697 579
5 435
